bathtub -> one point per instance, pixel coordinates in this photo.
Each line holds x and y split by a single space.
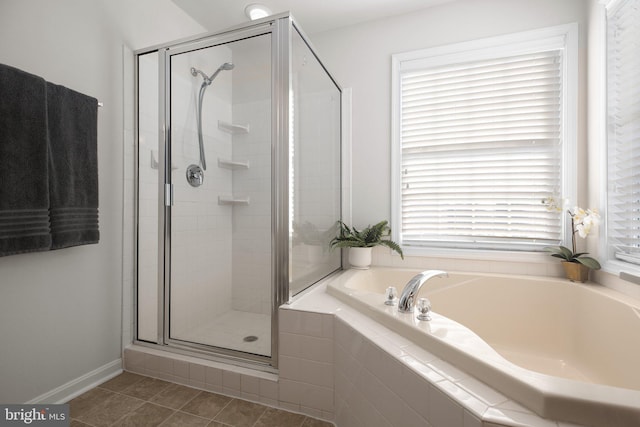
568 352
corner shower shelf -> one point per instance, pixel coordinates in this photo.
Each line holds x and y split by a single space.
228 164
232 128
241 201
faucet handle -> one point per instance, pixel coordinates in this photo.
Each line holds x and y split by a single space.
391 296
424 308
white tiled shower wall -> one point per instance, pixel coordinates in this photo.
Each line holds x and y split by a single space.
200 228
251 250
251 289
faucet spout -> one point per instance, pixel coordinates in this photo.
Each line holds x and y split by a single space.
411 289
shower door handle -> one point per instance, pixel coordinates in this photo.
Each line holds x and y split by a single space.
168 194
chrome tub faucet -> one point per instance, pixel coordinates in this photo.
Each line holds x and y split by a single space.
411 289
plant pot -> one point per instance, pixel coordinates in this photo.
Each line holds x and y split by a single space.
575 271
360 258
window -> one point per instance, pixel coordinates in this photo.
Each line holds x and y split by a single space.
623 131
482 133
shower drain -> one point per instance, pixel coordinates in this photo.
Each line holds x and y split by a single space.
250 338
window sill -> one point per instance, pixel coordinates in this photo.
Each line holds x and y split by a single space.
616 267
482 255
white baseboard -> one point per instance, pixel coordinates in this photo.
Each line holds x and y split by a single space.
76 387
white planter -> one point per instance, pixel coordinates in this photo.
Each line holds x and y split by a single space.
360 258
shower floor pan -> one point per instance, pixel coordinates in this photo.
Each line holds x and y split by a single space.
235 330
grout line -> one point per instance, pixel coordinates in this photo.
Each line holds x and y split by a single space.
258 419
221 410
126 415
189 401
80 421
139 398
159 404
182 412
113 392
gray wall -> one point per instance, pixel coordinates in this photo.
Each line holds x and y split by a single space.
61 311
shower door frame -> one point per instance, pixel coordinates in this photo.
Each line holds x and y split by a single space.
280 28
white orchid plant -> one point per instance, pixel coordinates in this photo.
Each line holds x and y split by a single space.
582 221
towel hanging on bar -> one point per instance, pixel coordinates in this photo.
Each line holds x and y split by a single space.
73 167
48 165
24 180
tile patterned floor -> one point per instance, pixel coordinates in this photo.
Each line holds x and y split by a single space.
138 401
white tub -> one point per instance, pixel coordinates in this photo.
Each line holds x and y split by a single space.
566 351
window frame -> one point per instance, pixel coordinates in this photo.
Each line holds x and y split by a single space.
610 263
510 44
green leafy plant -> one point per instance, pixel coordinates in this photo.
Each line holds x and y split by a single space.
570 256
581 223
373 235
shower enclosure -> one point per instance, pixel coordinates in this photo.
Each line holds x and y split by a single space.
238 187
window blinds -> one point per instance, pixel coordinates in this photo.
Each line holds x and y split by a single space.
481 146
623 92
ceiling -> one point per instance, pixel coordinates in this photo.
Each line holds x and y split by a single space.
314 16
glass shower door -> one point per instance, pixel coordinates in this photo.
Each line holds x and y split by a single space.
220 290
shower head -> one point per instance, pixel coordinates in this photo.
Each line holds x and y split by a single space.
227 66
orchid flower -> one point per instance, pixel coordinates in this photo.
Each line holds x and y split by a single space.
582 221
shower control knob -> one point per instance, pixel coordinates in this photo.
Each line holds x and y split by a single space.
195 175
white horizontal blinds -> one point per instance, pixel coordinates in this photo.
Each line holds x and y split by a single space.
481 147
623 63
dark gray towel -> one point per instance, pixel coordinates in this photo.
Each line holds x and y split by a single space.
73 167
24 189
